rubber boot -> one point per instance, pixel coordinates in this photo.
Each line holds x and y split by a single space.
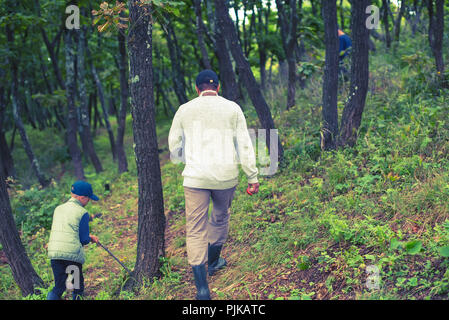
52 296
215 262
200 276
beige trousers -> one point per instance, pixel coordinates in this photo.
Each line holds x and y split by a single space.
200 230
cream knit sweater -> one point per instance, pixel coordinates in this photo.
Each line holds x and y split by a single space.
210 136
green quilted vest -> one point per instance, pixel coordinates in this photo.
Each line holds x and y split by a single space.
64 240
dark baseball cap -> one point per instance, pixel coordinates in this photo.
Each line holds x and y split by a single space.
207 76
83 188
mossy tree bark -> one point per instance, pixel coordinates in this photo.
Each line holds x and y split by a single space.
22 270
151 218
352 113
329 131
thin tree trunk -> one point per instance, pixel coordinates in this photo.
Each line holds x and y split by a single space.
261 34
247 36
289 41
8 169
16 114
229 85
103 103
124 94
385 8
167 101
53 56
261 106
291 49
329 131
72 118
22 270
352 113
59 121
85 132
342 16
314 7
417 19
436 31
151 218
175 57
397 25
200 35
51 47
5 156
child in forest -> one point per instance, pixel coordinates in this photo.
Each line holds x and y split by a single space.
69 233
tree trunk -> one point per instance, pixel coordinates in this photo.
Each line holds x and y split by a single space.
385 8
417 19
103 103
261 31
22 270
229 85
124 94
51 47
57 109
352 113
437 29
289 43
329 131
151 218
85 134
397 25
7 169
72 118
247 36
200 35
314 7
261 106
175 57
342 15
53 56
43 181
167 101
291 48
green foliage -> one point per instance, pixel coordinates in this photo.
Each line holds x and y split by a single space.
34 208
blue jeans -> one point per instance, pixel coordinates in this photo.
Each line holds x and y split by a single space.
59 268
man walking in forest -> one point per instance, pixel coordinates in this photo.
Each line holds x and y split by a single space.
209 134
345 45
69 233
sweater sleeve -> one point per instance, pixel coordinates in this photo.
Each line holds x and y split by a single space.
245 148
175 139
84 229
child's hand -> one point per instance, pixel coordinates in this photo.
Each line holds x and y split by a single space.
94 239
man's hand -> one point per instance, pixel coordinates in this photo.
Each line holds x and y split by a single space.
94 239
253 188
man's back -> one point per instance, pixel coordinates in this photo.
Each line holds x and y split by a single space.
345 44
214 138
